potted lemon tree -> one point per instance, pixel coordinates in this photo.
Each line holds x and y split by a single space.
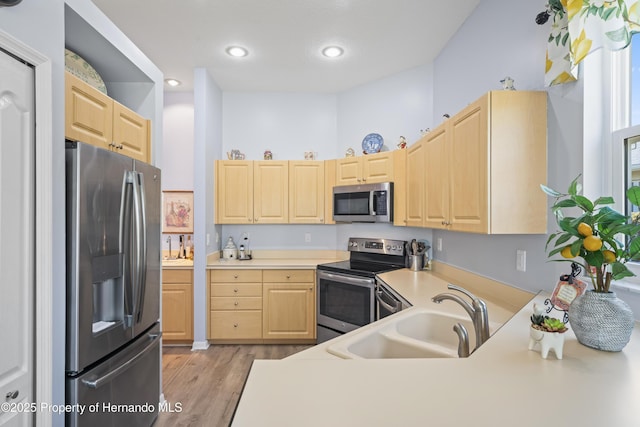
602 240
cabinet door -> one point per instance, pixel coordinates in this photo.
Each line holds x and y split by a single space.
234 192
177 312
377 167
329 183
306 192
271 192
88 113
130 133
437 179
468 190
348 171
288 311
415 184
400 188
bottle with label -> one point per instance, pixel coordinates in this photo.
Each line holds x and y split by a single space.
189 248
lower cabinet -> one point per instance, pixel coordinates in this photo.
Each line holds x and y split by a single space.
177 306
261 306
288 304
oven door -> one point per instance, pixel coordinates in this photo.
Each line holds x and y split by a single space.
345 302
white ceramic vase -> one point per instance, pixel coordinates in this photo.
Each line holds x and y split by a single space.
546 341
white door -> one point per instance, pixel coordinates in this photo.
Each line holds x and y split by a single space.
17 140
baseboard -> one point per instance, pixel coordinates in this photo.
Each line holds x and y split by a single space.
200 345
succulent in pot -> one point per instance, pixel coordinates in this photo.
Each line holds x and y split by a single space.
545 323
603 238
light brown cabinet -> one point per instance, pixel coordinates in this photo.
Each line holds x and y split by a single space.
306 192
288 310
235 305
484 166
94 118
255 306
368 169
252 192
177 306
415 174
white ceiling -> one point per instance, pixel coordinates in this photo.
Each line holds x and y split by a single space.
284 38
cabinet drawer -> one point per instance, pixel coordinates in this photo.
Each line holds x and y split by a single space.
236 289
236 324
233 303
177 276
233 276
288 276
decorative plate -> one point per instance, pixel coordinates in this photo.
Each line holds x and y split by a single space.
372 143
80 68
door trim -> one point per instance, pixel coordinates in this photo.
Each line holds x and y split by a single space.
43 348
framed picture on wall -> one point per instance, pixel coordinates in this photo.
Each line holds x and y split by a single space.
177 212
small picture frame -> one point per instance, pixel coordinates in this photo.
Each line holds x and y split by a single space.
177 212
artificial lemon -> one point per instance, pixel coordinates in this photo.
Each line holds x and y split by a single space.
566 252
585 229
609 256
592 243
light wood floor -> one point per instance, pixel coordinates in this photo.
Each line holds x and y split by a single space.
207 384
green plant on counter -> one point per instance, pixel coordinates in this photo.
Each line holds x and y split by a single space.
547 324
594 234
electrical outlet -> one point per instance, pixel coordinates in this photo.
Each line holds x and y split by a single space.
307 237
521 260
208 237
439 244
217 238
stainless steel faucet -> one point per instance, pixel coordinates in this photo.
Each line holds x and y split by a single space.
477 310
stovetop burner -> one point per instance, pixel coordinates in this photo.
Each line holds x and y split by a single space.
369 257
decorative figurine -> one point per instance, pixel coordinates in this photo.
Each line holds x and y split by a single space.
268 155
507 83
423 132
350 152
310 155
235 155
402 143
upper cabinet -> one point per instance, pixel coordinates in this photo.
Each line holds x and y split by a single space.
484 166
252 192
415 173
306 192
368 169
94 118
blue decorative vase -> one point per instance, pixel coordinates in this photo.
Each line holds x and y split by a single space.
601 320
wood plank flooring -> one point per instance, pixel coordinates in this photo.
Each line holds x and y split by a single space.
207 384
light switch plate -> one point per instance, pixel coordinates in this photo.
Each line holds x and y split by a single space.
521 260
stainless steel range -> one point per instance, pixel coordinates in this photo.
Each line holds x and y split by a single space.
347 289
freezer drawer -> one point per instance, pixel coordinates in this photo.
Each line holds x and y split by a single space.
124 390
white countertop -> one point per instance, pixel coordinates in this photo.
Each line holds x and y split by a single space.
500 384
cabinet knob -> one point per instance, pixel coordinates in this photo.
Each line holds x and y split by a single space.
235 276
12 395
235 290
235 303
121 146
364 179
288 277
235 325
321 219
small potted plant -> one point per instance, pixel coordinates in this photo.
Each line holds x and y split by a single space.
602 240
546 332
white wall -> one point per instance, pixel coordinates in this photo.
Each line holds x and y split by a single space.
177 172
207 148
397 105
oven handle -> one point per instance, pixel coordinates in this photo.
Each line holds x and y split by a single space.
346 279
389 307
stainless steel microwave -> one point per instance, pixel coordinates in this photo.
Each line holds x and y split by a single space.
363 203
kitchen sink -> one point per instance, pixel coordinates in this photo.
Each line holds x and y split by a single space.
435 328
417 333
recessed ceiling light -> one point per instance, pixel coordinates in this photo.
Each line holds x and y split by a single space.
172 82
237 51
332 51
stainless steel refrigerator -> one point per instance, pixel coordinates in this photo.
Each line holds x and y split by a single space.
113 288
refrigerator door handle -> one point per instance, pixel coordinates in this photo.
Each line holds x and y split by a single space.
99 382
125 246
141 242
